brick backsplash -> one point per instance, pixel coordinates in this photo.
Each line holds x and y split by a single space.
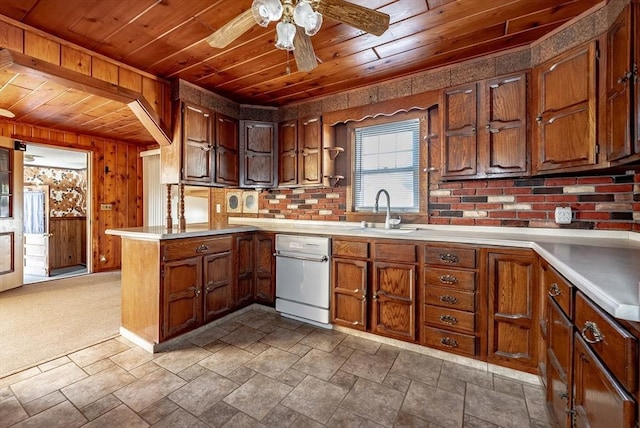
598 202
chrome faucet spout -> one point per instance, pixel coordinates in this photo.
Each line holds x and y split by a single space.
387 223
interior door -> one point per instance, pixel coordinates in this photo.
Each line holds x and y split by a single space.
11 181
36 236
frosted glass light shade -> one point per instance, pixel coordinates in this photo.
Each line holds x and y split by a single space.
266 11
285 32
305 17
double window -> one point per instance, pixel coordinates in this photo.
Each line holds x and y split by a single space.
387 156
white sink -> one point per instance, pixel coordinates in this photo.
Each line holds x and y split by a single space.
383 231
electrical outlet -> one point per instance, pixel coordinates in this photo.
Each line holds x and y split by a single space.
563 215
106 207
218 208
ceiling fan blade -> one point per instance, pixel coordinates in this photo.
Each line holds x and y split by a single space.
232 30
359 17
303 52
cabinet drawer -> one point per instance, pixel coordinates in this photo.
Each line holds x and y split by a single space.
558 289
449 341
617 348
395 252
183 248
450 256
450 319
449 298
344 248
463 280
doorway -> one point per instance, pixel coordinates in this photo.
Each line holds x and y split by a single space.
56 213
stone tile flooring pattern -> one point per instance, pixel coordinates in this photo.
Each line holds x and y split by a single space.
261 370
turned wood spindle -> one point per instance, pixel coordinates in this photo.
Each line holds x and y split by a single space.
182 222
169 219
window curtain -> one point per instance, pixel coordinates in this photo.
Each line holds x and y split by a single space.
34 212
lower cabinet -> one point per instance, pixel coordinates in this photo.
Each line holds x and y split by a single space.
196 284
513 308
244 268
393 294
349 282
264 268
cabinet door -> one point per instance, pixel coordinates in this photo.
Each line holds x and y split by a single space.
258 154
513 309
560 360
566 98
393 309
620 136
218 285
349 286
504 116
599 401
182 292
636 75
265 291
310 151
227 156
287 153
197 144
459 116
244 270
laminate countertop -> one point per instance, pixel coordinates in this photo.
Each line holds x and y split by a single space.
604 265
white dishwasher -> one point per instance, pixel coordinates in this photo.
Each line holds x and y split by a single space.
302 277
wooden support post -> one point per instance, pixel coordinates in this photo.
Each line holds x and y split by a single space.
169 219
182 222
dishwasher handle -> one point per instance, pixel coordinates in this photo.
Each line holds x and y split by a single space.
310 259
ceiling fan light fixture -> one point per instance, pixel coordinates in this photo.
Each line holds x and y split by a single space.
285 32
304 16
6 113
266 11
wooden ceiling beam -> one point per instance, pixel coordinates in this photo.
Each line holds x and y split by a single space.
18 62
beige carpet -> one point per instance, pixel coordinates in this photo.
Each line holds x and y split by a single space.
42 321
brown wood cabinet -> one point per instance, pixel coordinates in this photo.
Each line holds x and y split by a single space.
513 308
257 154
623 99
393 294
451 308
565 103
244 268
300 152
205 151
349 282
264 272
485 129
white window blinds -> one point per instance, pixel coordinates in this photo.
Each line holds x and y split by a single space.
387 157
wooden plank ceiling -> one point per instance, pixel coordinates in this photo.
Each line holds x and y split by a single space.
166 38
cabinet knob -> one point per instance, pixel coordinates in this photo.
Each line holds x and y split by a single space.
375 296
448 279
592 328
202 248
554 291
448 342
448 319
448 299
539 120
625 77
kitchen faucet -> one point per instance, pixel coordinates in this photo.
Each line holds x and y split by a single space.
388 222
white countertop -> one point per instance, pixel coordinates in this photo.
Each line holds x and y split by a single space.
604 265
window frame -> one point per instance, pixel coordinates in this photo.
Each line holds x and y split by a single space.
423 176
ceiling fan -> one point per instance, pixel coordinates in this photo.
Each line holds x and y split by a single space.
298 20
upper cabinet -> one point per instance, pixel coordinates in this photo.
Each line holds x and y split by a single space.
205 149
565 103
300 152
623 97
485 129
257 154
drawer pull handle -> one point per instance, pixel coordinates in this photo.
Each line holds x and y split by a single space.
202 248
449 299
448 342
554 291
564 396
448 319
592 327
449 258
448 279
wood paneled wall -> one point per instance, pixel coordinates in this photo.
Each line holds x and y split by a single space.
23 39
116 179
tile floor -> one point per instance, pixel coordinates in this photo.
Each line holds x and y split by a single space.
259 369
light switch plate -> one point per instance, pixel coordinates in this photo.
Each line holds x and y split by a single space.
563 215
